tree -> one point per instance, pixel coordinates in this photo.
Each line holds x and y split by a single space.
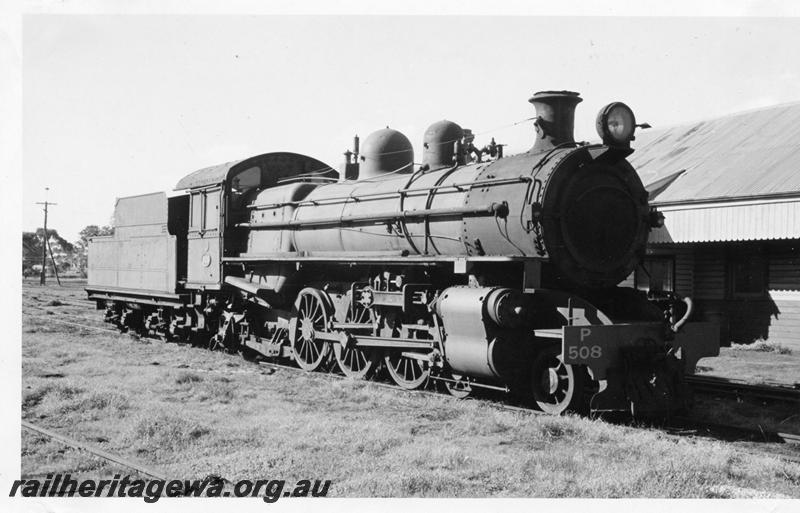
92 231
54 237
31 252
62 250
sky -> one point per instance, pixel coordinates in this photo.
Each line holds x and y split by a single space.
122 105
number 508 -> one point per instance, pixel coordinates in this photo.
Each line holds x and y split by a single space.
584 352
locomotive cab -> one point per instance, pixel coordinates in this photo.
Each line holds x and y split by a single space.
221 199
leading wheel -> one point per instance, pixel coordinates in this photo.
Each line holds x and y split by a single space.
556 386
355 362
313 314
408 372
459 389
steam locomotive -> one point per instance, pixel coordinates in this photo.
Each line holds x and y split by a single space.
473 270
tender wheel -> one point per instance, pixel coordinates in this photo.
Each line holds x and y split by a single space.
156 327
409 373
355 362
313 315
131 321
556 386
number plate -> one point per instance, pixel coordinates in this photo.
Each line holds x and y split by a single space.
598 346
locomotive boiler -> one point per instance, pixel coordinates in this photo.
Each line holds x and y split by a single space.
472 270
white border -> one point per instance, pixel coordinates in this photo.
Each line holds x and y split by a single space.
10 199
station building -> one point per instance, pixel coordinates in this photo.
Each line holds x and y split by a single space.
729 189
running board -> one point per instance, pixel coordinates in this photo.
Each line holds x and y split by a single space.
549 333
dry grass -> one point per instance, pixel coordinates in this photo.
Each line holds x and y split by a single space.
193 413
763 346
757 363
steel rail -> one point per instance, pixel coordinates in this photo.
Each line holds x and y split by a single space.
86 326
688 423
738 388
138 467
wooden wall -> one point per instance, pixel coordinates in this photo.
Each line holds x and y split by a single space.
710 272
702 271
784 290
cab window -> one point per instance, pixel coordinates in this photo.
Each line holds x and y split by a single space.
204 210
211 210
247 179
196 210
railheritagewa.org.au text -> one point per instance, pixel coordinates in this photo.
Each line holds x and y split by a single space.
269 490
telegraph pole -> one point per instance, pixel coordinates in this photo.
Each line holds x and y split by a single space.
45 241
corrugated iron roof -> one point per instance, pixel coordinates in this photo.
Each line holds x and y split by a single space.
747 154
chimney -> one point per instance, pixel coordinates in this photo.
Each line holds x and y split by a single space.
555 118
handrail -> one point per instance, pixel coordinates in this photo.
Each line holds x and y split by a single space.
458 187
494 209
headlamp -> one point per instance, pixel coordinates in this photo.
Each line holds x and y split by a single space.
616 124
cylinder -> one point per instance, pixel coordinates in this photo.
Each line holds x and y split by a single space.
476 345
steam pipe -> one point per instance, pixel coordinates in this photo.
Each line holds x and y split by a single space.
689 309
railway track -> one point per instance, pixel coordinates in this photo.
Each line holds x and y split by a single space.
676 426
741 389
100 453
136 466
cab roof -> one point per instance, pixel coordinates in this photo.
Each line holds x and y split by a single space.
279 164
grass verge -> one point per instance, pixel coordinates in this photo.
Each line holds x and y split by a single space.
193 413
